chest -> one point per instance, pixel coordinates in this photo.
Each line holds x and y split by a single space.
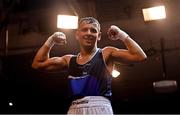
83 60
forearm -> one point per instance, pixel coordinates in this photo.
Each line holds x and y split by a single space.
134 48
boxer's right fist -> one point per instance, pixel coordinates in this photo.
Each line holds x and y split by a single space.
57 38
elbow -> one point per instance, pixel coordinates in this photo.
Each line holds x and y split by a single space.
143 57
35 66
139 57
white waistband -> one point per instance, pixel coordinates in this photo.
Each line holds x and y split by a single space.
90 101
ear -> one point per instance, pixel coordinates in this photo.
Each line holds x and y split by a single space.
99 36
77 35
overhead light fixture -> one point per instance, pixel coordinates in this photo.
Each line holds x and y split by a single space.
67 22
154 13
162 86
165 86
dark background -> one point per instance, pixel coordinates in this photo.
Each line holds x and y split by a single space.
31 22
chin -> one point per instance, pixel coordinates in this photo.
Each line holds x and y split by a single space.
89 46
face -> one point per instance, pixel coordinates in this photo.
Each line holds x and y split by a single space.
88 34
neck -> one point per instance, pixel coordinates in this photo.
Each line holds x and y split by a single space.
88 51
85 55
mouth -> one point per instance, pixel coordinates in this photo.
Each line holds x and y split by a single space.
89 41
89 38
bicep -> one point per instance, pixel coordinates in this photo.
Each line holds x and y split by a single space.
120 55
54 63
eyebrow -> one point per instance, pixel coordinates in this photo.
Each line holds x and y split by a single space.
94 23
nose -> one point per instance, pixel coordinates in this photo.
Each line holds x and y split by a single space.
89 34
88 31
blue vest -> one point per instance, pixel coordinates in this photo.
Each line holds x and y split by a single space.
89 79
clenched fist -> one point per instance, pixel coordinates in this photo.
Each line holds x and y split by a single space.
57 38
115 33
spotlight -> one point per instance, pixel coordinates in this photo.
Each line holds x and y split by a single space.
67 22
10 104
154 13
115 73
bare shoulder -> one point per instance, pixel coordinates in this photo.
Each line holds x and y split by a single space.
107 51
108 48
67 57
110 52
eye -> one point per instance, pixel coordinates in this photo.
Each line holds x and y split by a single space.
93 30
84 30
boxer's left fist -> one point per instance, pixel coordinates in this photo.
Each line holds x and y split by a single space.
115 33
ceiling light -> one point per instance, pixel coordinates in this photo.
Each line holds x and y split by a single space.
154 13
67 22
